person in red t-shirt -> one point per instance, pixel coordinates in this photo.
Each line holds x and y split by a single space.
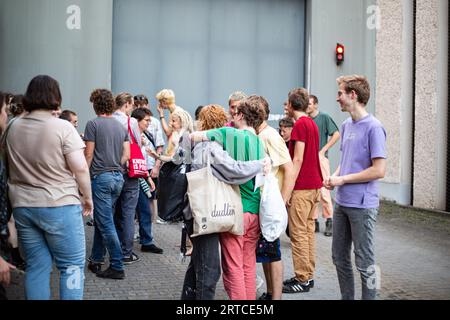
304 150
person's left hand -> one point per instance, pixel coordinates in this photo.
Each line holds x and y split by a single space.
322 153
155 172
88 207
333 181
5 268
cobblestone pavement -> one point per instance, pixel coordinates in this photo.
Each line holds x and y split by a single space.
412 250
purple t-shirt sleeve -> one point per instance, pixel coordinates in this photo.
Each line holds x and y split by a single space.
377 143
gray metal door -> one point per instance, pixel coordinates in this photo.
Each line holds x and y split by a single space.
206 49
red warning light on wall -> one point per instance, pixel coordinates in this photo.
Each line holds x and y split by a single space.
340 51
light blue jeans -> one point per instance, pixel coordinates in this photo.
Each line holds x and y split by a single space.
52 233
357 226
106 188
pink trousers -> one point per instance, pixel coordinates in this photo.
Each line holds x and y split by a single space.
239 260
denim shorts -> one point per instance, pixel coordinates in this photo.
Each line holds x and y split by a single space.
267 251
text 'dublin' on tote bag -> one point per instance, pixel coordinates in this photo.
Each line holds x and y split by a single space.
216 206
272 211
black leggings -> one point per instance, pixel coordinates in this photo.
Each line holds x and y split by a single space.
2 293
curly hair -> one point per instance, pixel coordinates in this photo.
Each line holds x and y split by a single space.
253 114
211 117
262 102
103 101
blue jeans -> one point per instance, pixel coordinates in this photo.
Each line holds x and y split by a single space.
52 233
106 188
357 226
125 213
145 219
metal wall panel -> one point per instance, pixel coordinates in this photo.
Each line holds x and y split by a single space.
347 22
69 40
204 49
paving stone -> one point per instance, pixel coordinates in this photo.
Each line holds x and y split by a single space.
412 268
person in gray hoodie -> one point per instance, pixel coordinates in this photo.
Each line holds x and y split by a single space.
204 270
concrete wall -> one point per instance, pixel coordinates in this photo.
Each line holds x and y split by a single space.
394 90
431 104
394 96
53 37
347 22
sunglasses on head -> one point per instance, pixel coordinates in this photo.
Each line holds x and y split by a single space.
139 98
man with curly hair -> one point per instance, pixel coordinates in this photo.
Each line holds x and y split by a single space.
238 252
107 150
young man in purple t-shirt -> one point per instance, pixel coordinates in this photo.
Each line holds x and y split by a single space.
363 162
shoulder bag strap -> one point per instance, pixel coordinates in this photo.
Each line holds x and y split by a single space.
133 140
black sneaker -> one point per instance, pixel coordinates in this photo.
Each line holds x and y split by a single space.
297 287
317 227
96 262
328 227
132 259
289 280
95 267
265 296
151 248
112 274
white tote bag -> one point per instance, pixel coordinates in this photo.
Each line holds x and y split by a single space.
273 216
216 206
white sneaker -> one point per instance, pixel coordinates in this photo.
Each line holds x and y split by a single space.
161 221
259 282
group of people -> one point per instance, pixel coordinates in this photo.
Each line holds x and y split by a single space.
53 183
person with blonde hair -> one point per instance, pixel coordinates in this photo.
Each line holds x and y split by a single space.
181 124
203 271
166 101
175 165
